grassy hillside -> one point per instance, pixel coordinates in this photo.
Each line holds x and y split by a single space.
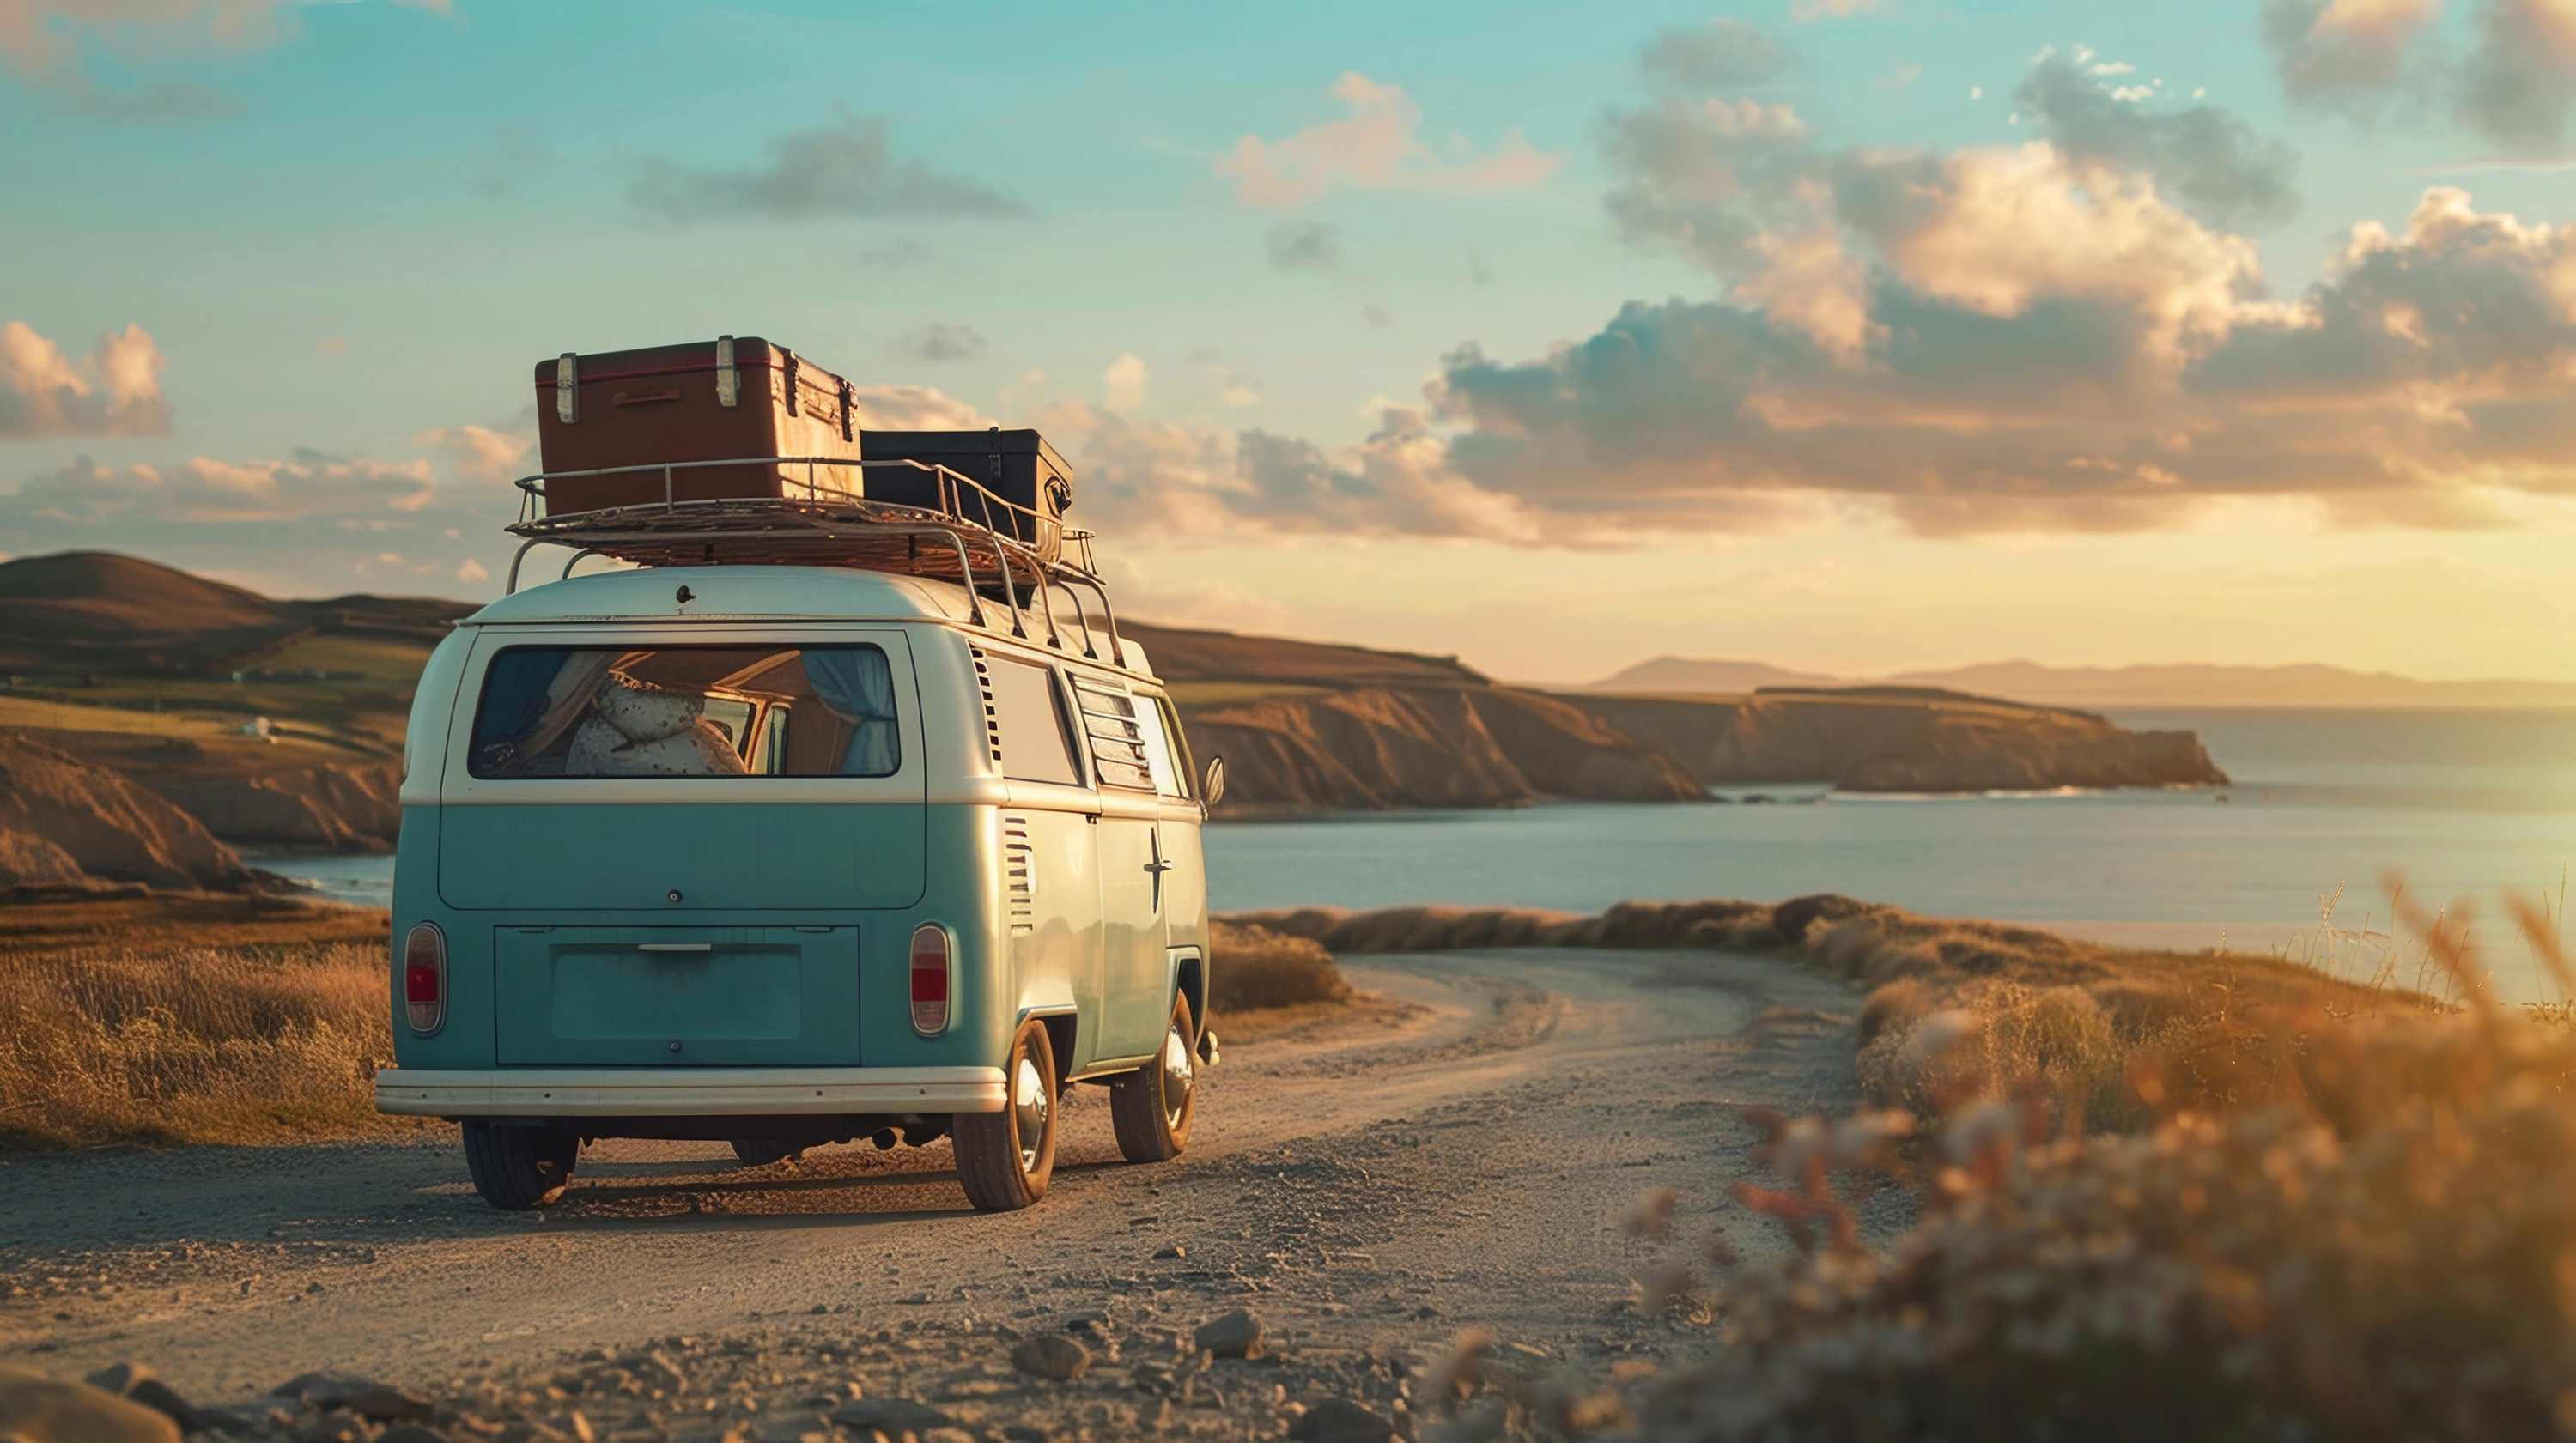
1188 657
94 641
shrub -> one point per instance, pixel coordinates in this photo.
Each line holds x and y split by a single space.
1255 968
2388 1252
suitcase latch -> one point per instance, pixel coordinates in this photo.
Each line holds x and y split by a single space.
567 383
728 380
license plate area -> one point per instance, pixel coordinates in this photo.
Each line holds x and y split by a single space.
677 996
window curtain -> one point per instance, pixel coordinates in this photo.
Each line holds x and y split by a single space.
533 694
856 684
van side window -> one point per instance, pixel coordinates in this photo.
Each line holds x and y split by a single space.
1186 770
1035 747
1066 720
1168 778
1117 737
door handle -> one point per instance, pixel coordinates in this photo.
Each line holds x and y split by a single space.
675 946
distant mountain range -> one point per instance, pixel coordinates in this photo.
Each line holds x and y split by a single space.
2307 684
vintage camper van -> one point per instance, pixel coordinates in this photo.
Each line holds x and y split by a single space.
785 855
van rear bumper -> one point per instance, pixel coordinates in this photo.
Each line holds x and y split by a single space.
687 1091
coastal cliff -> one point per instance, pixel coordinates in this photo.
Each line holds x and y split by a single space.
1312 726
323 807
67 825
1904 740
1457 747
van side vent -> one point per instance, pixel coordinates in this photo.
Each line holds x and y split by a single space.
992 714
1020 871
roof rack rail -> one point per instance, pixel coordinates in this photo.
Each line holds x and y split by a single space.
815 523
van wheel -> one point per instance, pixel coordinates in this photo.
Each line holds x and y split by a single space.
1152 1106
518 1168
762 1151
1005 1158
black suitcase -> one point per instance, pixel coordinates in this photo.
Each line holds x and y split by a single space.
1016 466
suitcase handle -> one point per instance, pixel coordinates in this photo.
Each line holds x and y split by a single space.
644 398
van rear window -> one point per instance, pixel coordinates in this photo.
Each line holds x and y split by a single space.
687 711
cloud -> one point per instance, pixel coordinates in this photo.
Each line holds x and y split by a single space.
2336 52
1200 481
1806 10
938 341
116 391
2112 367
1305 245
844 170
471 572
1377 147
1123 383
480 453
36 36
2516 86
1718 55
1705 176
916 408
156 102
2203 155
305 486
2519 85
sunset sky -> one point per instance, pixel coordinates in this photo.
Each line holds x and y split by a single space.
1856 335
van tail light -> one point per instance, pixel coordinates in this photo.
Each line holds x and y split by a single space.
931 957
424 974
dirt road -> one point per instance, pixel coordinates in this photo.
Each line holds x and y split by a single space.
1460 1151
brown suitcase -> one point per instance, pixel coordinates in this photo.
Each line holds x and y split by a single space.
702 401
1018 467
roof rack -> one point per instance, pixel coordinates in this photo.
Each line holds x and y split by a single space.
816 523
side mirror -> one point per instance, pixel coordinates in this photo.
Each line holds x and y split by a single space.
1214 791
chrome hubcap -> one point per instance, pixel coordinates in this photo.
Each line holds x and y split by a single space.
1029 1112
1178 1072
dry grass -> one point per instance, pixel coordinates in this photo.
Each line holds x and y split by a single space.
1258 969
2114 1037
2387 1253
270 1036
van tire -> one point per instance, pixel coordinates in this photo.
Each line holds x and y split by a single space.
1001 1169
1150 1128
762 1151
518 1168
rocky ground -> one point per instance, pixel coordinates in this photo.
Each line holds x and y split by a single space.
1435 1195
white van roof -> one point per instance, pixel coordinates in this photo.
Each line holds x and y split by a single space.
786 593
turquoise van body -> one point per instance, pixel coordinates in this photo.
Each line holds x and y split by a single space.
737 951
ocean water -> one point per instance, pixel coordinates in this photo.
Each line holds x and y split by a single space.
2324 802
